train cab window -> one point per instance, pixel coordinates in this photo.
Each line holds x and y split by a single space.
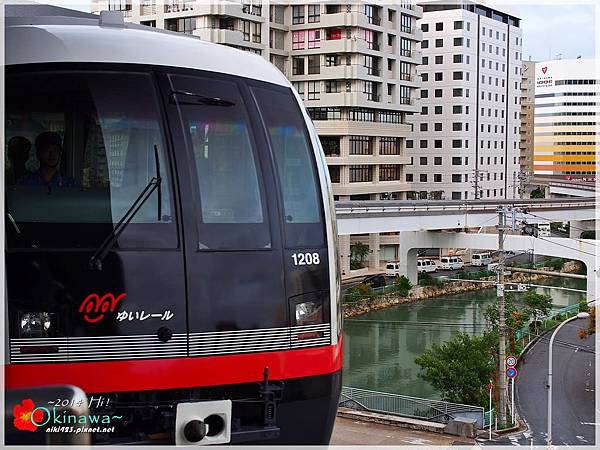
82 147
221 146
294 157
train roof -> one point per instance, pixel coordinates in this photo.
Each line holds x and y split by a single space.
50 35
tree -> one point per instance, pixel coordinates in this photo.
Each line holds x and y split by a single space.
591 329
358 251
515 318
537 305
403 286
461 368
538 192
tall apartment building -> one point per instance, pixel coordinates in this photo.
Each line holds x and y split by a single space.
354 65
465 143
567 115
527 110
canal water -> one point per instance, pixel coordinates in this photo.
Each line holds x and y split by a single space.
380 347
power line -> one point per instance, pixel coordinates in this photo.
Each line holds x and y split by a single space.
566 246
576 239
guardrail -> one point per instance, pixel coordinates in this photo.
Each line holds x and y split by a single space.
405 406
394 206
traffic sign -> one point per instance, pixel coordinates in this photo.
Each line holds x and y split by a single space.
511 361
490 386
511 372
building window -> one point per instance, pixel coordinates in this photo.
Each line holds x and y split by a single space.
389 146
458 24
457 58
334 173
437 127
457 92
405 71
423 127
439 26
314 13
361 115
438 93
457 75
298 65
299 86
360 173
256 34
186 25
424 27
457 109
439 76
438 109
439 43
409 177
332 86
437 161
437 178
314 64
437 143
455 195
456 143
424 76
424 44
405 23
456 126
361 145
314 38
298 40
424 93
297 14
424 110
314 90
405 47
423 178
458 42
425 60
331 145
439 59
333 60
390 172
423 160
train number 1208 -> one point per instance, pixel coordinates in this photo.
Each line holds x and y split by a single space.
306 259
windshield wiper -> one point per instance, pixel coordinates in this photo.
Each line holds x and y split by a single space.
95 261
189 98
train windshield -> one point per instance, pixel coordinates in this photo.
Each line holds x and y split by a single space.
81 149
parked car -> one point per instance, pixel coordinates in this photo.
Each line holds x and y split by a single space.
451 263
481 259
544 230
375 281
426 265
392 268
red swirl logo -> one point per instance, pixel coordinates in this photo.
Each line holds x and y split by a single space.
95 307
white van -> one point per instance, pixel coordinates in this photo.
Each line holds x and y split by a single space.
481 259
544 230
426 265
392 269
451 263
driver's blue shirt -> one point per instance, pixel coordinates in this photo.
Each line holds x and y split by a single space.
58 180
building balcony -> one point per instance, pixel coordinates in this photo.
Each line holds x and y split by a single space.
348 19
224 9
367 160
354 45
227 37
148 10
370 187
350 127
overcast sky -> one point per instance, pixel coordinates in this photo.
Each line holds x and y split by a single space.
549 27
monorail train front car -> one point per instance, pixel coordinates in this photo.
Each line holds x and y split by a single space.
171 245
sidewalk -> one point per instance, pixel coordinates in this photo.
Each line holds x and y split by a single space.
354 432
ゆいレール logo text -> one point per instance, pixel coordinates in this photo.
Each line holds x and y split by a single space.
29 417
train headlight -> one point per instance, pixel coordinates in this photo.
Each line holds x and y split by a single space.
309 313
35 324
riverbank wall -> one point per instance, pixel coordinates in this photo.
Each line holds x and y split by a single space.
418 293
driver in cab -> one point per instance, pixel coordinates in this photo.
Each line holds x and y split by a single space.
49 149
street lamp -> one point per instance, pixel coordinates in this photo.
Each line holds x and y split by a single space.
581 315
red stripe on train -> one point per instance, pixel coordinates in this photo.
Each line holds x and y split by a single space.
143 375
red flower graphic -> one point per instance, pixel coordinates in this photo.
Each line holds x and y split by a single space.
22 413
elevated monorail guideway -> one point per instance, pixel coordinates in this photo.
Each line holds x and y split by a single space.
361 217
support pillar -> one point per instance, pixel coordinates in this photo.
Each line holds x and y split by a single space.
344 250
407 256
374 248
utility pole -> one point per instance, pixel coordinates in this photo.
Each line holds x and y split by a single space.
501 318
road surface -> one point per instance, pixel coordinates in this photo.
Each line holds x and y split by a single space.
573 391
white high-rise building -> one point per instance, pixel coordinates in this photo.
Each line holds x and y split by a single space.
353 64
465 142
